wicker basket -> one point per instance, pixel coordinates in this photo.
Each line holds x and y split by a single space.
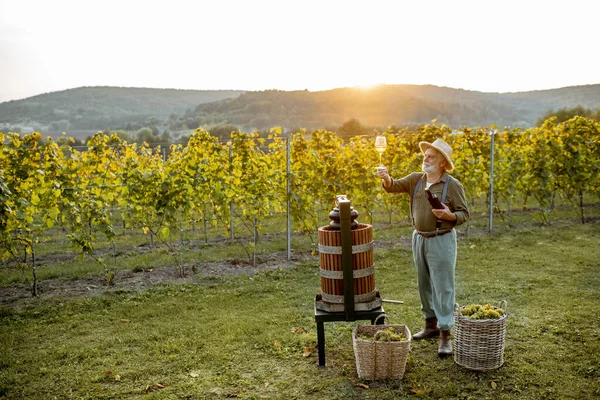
377 359
479 344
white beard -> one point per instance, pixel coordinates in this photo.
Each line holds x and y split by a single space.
430 169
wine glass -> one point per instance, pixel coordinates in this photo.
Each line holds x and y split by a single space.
380 144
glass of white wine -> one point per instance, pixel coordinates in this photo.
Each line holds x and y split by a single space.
380 144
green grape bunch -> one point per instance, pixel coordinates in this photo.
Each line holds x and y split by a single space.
477 311
394 336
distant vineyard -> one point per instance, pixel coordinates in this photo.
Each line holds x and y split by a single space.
44 183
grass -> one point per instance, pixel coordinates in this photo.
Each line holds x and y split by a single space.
245 336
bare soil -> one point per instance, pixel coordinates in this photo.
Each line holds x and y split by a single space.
20 295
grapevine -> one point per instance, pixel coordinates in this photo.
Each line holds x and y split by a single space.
44 184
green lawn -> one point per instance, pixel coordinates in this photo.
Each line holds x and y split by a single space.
245 336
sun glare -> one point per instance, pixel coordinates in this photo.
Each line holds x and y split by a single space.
368 86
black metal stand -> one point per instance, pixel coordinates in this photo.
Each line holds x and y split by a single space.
349 314
324 316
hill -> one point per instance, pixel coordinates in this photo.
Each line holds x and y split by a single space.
89 109
99 108
388 105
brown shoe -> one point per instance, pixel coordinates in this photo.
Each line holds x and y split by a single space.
445 347
431 330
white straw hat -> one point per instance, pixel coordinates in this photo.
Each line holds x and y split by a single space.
444 149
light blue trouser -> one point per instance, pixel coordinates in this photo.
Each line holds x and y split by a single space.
435 261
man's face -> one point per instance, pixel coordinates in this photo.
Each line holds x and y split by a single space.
433 161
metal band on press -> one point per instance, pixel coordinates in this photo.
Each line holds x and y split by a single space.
359 248
357 273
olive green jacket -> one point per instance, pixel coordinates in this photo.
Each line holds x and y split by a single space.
424 219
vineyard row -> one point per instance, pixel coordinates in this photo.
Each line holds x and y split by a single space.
44 183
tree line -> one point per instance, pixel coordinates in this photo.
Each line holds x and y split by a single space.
132 109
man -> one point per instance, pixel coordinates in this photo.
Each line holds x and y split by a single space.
434 239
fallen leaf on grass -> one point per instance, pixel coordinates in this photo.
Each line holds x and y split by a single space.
307 352
493 385
124 320
361 385
277 344
473 246
194 374
155 385
298 330
420 392
108 372
118 378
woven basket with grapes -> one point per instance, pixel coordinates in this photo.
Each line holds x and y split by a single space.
381 351
479 336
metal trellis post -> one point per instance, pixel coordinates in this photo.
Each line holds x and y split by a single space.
231 200
493 133
289 221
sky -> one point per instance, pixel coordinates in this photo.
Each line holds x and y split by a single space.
483 45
